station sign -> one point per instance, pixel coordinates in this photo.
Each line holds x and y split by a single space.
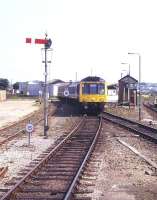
29 128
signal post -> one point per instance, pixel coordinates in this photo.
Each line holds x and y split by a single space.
47 44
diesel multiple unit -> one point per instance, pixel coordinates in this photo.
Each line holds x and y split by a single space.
90 93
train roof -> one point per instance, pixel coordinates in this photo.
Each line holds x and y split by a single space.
92 78
67 84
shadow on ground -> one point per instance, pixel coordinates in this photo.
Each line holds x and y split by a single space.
70 109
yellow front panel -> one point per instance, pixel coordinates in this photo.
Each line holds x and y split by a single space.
93 97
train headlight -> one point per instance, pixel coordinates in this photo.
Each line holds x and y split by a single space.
86 107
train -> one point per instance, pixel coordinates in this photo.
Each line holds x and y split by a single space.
90 93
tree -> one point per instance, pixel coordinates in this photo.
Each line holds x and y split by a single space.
16 86
4 83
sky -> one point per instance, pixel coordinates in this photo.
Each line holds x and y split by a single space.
90 37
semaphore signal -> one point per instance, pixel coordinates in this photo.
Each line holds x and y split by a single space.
37 41
41 41
28 40
47 44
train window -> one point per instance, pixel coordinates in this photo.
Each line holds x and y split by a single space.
101 89
93 88
85 88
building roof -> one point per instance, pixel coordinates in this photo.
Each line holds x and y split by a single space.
112 86
34 82
54 81
127 79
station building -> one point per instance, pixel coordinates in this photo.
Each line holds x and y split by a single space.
53 87
36 88
31 88
127 94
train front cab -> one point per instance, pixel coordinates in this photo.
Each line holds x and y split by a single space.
93 96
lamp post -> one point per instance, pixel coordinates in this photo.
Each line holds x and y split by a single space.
128 82
128 66
139 83
122 72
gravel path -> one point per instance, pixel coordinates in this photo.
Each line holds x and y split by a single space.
120 174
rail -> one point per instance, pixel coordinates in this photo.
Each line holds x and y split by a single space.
143 130
74 182
15 134
7 196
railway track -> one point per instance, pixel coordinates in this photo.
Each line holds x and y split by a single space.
143 130
14 130
150 106
56 175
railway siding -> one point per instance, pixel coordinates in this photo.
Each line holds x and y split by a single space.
143 130
16 154
78 144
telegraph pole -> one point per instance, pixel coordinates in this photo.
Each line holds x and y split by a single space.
76 76
139 84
